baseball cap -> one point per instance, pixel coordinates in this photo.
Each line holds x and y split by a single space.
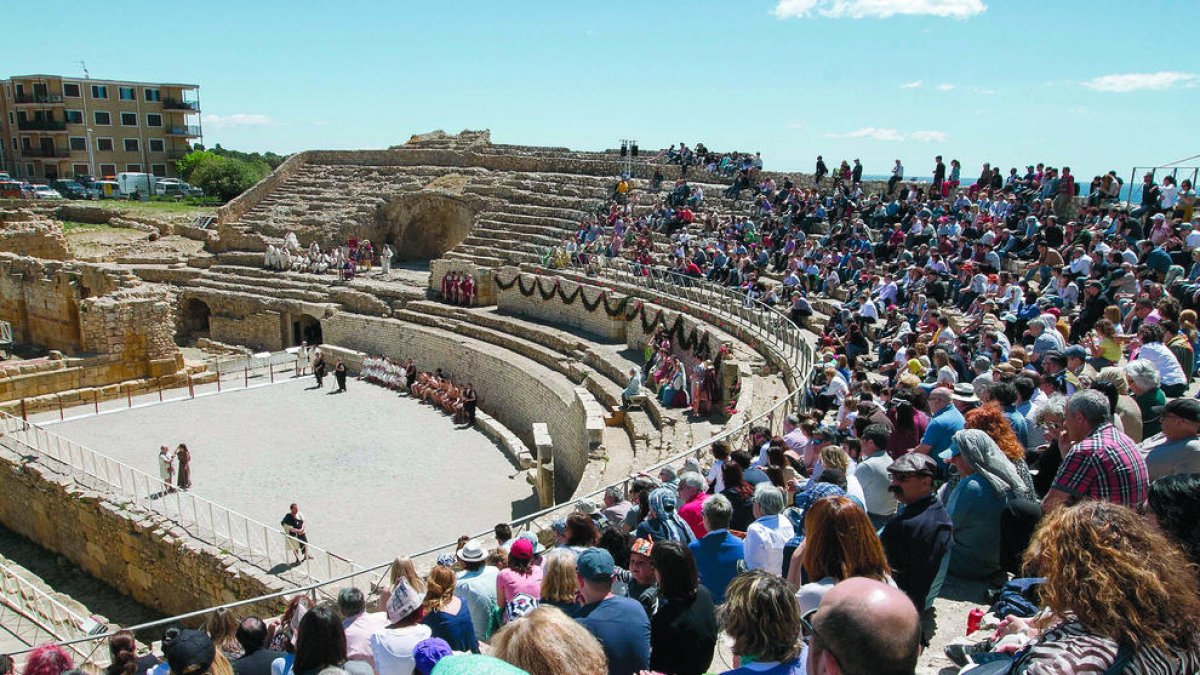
914 463
189 651
521 549
1186 408
1076 351
642 547
950 453
595 564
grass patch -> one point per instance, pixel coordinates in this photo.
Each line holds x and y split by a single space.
159 206
75 226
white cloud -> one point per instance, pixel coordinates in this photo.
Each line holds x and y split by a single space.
236 120
981 90
915 84
892 135
945 87
877 9
1120 84
795 125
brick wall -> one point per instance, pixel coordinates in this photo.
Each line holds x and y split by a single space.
512 389
556 312
258 330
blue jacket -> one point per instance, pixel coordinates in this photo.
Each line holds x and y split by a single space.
718 557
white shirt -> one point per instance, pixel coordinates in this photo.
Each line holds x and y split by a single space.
869 310
1166 363
393 649
873 477
1170 195
765 539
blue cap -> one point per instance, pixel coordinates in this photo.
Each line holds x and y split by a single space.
595 564
950 453
428 652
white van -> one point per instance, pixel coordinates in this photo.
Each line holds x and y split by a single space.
140 183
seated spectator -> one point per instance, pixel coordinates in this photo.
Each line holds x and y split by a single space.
522 575
1177 448
446 615
640 582
1102 464
321 644
872 475
392 647
358 624
1116 589
402 566
719 555
1174 508
616 506
839 543
620 624
476 584
864 626
221 626
740 495
917 541
976 502
769 533
548 642
693 491
683 632
580 532
558 581
663 523
252 635
762 618
186 652
1144 381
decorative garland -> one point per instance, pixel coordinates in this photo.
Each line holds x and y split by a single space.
694 340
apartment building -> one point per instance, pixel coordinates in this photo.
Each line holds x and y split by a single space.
62 127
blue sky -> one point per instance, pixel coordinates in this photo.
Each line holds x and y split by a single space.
1096 85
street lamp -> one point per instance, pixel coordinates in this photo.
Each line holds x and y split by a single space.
91 158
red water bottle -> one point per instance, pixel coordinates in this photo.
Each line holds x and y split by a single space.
973 620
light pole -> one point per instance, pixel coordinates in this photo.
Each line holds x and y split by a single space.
91 158
629 151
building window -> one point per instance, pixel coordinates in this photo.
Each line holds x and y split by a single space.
108 170
128 119
153 95
157 145
153 120
102 118
14 143
71 90
159 170
74 117
79 170
132 145
78 144
99 91
126 93
104 144
133 168
29 172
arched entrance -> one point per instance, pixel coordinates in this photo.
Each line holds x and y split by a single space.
307 329
423 226
193 319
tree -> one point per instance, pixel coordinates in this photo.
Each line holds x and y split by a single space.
225 177
188 164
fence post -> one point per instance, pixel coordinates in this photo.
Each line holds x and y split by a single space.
160 390
218 379
129 396
61 414
96 401
24 413
245 377
191 387
271 369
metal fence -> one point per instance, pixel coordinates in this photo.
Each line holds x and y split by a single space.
775 329
264 547
33 616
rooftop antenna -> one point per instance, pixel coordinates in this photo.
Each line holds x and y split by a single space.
83 64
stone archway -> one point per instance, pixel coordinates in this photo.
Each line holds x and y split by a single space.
307 328
193 319
424 225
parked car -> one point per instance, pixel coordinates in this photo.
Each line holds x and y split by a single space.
45 192
73 190
109 189
11 189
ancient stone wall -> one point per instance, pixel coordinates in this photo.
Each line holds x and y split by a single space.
136 552
232 211
512 389
26 233
258 330
555 310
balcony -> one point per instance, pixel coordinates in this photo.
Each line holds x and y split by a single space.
45 153
177 105
188 131
39 99
41 125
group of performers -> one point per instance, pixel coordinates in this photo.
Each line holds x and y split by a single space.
669 378
458 288
436 388
345 261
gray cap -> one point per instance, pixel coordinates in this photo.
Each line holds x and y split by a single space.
914 463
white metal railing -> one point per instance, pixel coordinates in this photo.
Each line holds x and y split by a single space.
257 544
35 617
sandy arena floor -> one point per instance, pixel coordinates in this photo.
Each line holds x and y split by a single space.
376 474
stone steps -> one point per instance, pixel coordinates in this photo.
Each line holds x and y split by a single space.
269 290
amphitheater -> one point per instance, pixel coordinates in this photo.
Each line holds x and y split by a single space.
548 349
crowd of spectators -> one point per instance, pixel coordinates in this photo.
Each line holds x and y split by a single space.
1001 400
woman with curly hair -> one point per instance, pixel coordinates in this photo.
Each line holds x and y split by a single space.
48 660
1116 589
447 615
